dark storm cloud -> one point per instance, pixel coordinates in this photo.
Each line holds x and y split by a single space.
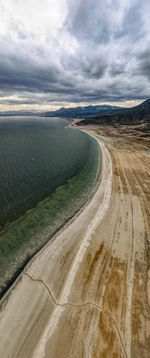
87 21
144 63
133 21
20 74
101 52
117 69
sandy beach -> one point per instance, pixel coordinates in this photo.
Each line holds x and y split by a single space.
87 292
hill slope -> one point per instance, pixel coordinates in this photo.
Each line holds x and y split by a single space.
82 112
129 116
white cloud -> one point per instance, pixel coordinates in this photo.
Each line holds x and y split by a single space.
73 51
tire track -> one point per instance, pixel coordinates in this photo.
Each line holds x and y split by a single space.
82 305
130 272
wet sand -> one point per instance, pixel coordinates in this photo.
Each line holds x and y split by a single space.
87 293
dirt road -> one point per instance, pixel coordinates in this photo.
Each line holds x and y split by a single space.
87 293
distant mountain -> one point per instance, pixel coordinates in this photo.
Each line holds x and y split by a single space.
129 116
101 114
81 112
144 107
19 113
77 112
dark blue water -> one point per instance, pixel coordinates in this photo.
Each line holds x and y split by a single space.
47 173
36 156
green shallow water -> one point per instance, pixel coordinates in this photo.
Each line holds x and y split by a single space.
71 170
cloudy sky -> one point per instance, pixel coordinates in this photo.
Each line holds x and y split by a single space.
57 53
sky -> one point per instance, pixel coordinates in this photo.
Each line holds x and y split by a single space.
56 53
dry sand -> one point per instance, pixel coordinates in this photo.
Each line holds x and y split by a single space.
87 293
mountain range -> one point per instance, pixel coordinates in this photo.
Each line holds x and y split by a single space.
100 114
74 112
82 112
128 116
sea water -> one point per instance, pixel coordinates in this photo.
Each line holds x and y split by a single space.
47 173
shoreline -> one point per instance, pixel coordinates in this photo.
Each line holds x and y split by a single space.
60 224
11 297
15 279
88 291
